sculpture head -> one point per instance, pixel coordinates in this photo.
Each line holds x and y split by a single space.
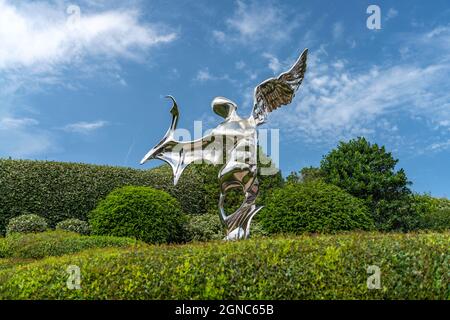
224 107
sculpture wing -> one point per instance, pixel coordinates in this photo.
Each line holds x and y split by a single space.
276 92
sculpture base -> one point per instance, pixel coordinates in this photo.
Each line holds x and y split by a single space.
239 232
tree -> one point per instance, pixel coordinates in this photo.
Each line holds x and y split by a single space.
368 172
306 174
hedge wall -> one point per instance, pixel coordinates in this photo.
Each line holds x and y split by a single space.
58 191
413 266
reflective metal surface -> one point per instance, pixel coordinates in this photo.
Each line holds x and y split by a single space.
232 143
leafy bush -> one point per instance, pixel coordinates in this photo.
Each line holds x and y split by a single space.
144 213
436 220
313 207
59 191
74 225
413 266
55 243
204 227
26 223
434 213
208 227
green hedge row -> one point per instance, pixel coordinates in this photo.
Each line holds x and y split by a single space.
55 243
58 191
413 266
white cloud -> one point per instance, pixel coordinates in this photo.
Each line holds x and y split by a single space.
16 123
204 75
85 127
339 105
43 45
392 13
41 38
20 137
337 30
255 21
274 63
440 146
240 65
32 38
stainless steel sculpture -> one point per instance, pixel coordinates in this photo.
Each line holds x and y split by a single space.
233 142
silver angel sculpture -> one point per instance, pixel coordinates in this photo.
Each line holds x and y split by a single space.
233 143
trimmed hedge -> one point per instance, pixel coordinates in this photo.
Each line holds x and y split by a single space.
313 207
143 213
413 266
58 191
55 243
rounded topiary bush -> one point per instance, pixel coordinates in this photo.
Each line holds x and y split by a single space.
74 225
313 207
27 223
144 213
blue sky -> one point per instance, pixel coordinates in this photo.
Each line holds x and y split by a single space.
90 87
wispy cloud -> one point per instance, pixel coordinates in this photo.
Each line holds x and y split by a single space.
21 137
392 13
255 21
42 39
85 127
204 75
440 146
274 63
46 44
16 123
337 102
337 30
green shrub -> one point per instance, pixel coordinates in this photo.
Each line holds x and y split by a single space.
59 191
208 227
436 220
313 207
55 243
413 266
434 213
26 223
204 227
144 213
74 225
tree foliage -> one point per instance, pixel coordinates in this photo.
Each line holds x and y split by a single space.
367 171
